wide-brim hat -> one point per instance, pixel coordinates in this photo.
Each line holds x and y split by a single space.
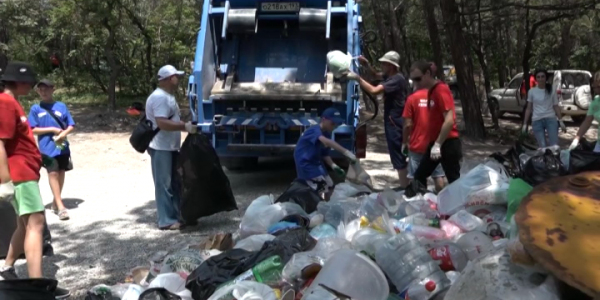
391 57
18 71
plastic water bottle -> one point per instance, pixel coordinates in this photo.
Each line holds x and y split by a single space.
450 257
406 262
475 244
425 232
420 219
420 291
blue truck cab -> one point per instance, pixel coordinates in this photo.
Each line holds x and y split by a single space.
260 76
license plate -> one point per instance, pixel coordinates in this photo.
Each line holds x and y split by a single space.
280 6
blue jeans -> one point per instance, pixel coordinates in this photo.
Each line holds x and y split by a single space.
540 127
166 186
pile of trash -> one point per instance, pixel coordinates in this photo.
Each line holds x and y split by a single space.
362 244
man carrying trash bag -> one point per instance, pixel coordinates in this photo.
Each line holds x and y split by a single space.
394 89
313 149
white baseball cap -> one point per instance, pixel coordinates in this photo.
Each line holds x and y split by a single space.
168 71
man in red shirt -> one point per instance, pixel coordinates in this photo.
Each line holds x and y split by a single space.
415 117
20 163
444 146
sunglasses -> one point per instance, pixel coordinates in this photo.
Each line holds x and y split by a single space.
416 79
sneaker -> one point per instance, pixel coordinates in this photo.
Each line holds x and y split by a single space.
61 293
8 273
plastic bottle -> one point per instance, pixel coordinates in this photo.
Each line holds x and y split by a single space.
405 261
267 271
465 221
475 244
420 219
449 256
420 291
421 231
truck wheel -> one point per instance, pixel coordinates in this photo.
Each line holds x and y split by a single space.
239 163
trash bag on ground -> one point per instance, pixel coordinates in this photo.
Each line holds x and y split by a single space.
260 216
347 190
510 159
323 231
185 260
205 190
27 289
494 277
158 294
481 186
339 212
300 193
517 190
583 161
542 168
173 283
338 63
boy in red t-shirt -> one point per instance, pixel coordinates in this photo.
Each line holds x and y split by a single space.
444 146
20 163
416 115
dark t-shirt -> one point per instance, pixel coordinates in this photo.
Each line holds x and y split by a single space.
395 89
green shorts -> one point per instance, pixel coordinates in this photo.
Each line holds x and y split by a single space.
28 199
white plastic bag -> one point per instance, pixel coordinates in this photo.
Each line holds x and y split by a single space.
356 174
348 189
254 242
173 283
338 63
246 290
465 221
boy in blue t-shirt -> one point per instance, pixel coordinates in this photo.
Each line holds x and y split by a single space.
313 149
51 121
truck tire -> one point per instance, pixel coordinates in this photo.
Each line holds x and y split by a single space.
239 163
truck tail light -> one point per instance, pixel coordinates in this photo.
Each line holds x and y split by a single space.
360 142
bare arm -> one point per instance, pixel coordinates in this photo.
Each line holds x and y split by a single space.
587 123
557 111
373 90
408 124
446 127
331 144
169 125
370 70
46 130
527 113
328 161
4 172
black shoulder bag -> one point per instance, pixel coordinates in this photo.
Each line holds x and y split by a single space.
62 126
142 134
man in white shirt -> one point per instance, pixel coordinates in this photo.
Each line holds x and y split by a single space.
162 110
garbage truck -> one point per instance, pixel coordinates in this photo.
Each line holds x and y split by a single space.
260 76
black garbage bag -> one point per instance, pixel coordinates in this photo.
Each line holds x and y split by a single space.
286 244
158 294
205 187
415 188
8 224
541 168
510 159
219 269
28 289
586 145
300 193
583 161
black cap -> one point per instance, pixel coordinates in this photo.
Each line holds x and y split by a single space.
46 82
17 71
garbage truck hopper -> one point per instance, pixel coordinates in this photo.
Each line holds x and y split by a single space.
260 75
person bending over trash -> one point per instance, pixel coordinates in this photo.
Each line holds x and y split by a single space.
313 149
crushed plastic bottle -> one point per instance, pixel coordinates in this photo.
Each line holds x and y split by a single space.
420 291
425 232
419 219
475 244
465 221
449 256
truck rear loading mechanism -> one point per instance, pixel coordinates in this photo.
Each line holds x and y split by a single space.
260 76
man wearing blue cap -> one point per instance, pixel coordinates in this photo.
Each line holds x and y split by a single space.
314 147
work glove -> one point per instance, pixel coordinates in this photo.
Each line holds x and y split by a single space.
563 127
436 152
524 130
405 149
191 128
338 170
574 144
350 156
7 191
352 76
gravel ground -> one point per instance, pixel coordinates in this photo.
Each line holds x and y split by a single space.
110 193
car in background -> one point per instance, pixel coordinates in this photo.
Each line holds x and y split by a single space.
565 83
450 79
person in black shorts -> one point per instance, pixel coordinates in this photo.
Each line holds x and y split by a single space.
51 121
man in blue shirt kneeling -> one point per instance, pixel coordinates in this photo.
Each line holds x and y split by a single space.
313 149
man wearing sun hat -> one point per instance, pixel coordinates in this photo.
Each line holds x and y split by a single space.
20 164
163 111
313 149
394 88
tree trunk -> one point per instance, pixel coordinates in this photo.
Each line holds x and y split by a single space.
566 44
460 56
434 35
381 26
113 65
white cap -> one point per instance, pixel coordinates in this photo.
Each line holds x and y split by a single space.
168 71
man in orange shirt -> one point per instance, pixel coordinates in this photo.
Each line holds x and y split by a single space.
444 146
415 140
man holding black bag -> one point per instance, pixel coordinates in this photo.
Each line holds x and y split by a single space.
163 112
